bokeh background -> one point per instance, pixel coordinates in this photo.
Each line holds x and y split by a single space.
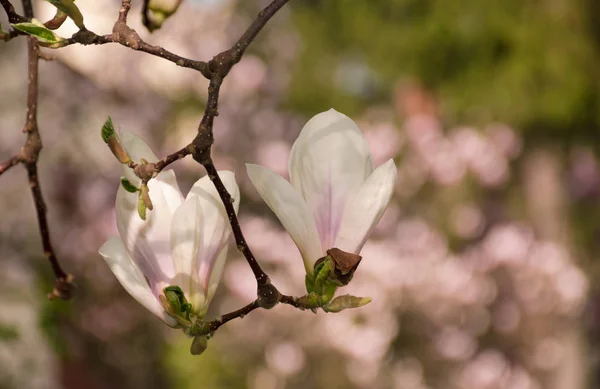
482 270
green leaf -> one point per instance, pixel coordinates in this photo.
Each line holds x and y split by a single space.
107 130
69 7
38 30
128 186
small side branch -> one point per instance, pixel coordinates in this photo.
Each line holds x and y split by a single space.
240 313
125 7
13 16
4 166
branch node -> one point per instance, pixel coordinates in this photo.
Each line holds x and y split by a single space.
63 288
268 295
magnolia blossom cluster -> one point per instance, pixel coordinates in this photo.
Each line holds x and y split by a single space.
334 199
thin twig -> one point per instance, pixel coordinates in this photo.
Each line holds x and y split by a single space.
261 276
128 37
29 156
125 7
218 69
13 16
215 324
4 166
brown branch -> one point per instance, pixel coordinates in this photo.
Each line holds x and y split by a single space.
29 156
13 16
4 166
125 7
128 37
218 68
176 156
242 246
215 324
263 17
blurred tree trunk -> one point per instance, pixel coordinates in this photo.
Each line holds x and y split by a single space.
547 204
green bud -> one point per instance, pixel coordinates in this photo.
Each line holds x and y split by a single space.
199 345
344 302
145 196
141 208
128 186
108 130
110 137
157 11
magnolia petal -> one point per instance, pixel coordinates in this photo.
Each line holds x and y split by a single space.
167 183
365 207
216 274
129 275
137 149
292 211
185 243
147 241
328 162
215 228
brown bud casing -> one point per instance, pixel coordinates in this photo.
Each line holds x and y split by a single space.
345 264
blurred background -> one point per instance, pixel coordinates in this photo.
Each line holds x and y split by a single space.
481 270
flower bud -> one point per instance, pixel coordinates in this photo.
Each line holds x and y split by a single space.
199 345
109 136
345 264
344 302
157 11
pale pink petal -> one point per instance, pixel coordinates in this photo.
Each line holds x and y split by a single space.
132 279
185 244
328 162
147 241
291 210
365 207
215 228
216 274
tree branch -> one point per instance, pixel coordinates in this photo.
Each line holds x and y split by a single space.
13 16
12 161
29 157
215 324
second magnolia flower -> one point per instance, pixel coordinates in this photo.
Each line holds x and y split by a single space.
335 197
183 241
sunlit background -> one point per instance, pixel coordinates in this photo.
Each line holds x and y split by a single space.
481 271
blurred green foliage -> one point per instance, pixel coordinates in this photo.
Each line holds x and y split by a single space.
210 371
532 64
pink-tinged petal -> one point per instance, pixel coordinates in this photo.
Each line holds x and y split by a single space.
147 241
292 211
132 279
137 149
216 274
185 244
328 162
214 227
365 208
167 184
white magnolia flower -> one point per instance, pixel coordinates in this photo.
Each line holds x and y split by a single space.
182 242
335 198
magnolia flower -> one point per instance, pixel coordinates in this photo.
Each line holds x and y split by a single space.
182 242
335 198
